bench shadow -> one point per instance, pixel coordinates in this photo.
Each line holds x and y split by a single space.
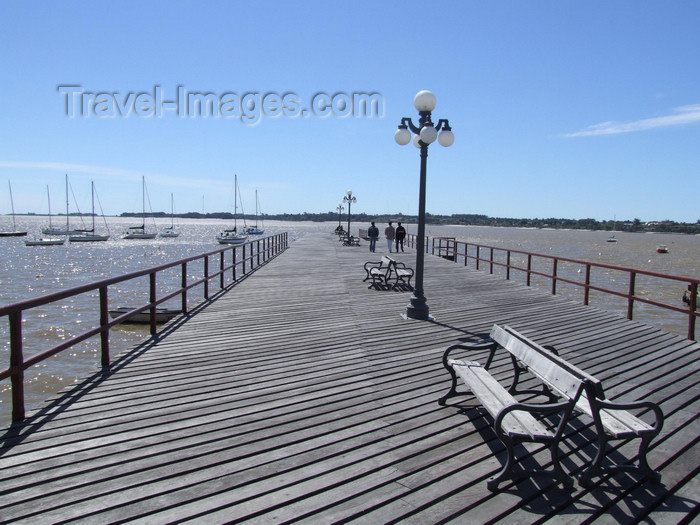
542 496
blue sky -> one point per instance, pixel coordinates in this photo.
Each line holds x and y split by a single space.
559 108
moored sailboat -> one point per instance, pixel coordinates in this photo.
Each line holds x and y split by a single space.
139 232
58 230
14 232
254 230
231 236
90 235
170 231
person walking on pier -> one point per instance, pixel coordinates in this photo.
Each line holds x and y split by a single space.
400 236
389 232
373 234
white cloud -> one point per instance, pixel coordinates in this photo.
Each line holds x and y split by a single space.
681 116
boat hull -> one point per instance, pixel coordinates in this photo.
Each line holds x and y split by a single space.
163 315
139 236
88 238
45 242
231 240
13 234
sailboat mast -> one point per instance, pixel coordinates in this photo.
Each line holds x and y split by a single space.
143 203
48 196
235 203
67 214
92 190
12 205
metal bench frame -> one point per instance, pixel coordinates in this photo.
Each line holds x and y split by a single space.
388 269
379 271
515 422
611 419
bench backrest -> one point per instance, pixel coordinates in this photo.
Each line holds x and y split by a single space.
387 261
563 377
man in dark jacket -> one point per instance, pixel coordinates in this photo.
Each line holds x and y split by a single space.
400 236
373 234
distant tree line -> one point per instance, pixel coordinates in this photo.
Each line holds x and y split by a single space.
634 225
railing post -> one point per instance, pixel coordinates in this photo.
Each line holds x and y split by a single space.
554 276
234 264
183 281
508 265
466 253
243 259
221 269
152 293
692 307
478 256
206 277
104 319
529 267
587 287
630 297
491 261
17 364
257 248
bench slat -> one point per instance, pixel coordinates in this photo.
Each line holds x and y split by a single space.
616 422
549 368
494 398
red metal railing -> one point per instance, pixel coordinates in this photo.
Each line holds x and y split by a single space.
244 258
547 267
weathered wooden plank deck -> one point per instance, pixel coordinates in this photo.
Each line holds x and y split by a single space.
302 396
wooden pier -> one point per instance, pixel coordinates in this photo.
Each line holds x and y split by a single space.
300 395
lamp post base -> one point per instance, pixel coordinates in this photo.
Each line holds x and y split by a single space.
418 309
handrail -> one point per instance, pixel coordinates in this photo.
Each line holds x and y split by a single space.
265 249
460 251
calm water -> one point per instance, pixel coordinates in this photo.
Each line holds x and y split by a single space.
33 271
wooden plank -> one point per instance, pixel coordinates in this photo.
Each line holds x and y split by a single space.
297 397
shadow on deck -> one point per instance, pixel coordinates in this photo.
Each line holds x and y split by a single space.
300 395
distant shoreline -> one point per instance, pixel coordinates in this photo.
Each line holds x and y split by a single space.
633 226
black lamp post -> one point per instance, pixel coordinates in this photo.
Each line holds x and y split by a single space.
423 135
349 199
340 211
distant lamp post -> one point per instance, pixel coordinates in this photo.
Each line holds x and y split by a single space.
349 199
340 209
423 135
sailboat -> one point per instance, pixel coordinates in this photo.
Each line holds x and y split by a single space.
89 235
46 241
57 230
169 231
14 232
254 230
231 236
139 232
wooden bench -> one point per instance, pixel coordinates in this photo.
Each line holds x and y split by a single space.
402 274
612 421
387 270
379 272
513 421
349 240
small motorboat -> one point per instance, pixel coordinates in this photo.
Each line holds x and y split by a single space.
45 241
163 315
612 239
661 248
